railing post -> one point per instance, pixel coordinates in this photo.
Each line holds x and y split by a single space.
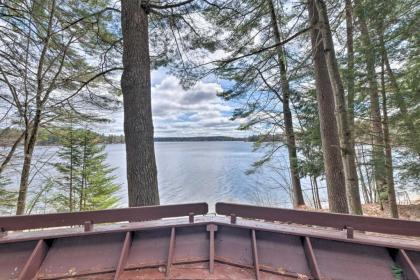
3 233
233 218
350 232
88 226
191 217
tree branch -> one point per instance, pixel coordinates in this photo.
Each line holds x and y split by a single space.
11 152
227 61
84 84
168 6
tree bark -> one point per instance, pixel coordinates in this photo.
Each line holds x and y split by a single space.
315 192
362 181
83 179
350 82
30 141
329 133
350 65
393 208
288 119
138 123
400 102
31 129
378 155
11 152
345 133
71 169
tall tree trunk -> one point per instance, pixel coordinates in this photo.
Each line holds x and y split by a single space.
345 133
350 65
388 152
138 123
317 193
378 155
82 200
288 119
317 200
29 147
362 180
329 133
369 174
365 170
315 205
31 128
350 81
71 169
400 102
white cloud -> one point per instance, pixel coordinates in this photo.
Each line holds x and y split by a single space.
197 111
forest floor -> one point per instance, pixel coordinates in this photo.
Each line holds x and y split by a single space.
410 211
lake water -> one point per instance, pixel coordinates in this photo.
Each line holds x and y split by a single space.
192 172
196 172
211 172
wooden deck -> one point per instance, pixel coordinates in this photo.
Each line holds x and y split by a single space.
203 246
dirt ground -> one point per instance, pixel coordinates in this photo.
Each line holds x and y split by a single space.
411 211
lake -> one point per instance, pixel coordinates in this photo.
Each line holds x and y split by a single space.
211 172
195 172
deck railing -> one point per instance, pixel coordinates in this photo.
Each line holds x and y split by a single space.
332 220
339 221
88 218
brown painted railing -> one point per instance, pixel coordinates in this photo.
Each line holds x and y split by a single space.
339 221
9 223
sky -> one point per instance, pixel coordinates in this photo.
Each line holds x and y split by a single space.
179 112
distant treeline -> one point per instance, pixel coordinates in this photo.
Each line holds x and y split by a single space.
52 137
201 138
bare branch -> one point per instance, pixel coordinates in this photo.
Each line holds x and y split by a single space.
86 83
227 61
11 152
169 6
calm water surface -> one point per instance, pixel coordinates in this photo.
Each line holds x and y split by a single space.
191 172
209 172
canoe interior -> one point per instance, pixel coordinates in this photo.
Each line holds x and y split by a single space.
207 248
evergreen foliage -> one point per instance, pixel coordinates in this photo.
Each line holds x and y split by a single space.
7 198
57 60
85 181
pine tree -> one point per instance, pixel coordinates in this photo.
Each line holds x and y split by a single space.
369 53
70 156
7 198
85 182
345 131
52 51
264 79
136 89
309 135
329 130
